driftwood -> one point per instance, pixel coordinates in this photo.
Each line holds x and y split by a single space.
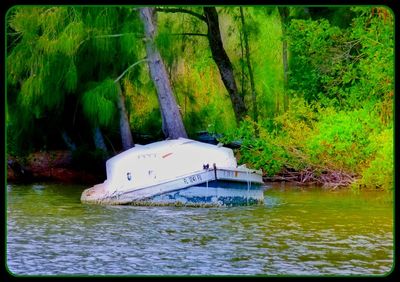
329 178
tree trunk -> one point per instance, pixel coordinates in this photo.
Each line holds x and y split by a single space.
125 130
67 140
173 127
98 139
223 62
247 49
284 13
242 63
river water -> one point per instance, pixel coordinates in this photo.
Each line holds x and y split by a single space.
297 231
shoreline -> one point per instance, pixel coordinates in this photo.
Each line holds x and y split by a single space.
59 167
52 166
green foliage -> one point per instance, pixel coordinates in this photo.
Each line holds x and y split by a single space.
312 47
343 67
376 64
309 136
150 124
133 29
54 53
259 152
146 117
71 78
264 28
341 139
164 40
379 172
99 103
338 16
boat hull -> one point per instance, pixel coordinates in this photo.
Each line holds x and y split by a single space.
216 193
222 186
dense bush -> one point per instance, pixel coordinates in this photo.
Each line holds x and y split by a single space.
341 140
379 171
346 68
309 136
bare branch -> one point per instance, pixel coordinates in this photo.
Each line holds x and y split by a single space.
179 10
131 66
189 33
115 35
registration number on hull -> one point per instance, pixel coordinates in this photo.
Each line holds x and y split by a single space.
192 179
230 174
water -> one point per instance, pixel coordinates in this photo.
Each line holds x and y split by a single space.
295 232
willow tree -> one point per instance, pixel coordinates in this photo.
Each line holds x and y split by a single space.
60 52
40 70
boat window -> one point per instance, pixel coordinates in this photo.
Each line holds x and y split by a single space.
129 176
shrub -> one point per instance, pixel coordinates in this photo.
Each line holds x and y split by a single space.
379 172
308 136
341 140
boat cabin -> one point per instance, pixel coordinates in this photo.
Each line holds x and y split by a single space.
164 160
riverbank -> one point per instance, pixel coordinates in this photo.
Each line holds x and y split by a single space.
61 167
53 166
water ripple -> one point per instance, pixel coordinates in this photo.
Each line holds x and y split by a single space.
291 234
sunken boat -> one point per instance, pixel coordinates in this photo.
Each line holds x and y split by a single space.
179 171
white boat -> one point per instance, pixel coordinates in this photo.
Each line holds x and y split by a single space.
172 166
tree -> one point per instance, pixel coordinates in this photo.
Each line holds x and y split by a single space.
126 135
210 17
172 124
61 47
39 68
223 62
284 15
249 67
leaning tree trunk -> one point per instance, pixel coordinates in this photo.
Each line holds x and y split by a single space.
99 139
173 127
125 130
223 62
284 14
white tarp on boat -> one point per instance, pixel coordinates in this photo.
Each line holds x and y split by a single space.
160 161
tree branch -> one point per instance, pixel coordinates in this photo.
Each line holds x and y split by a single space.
115 35
190 33
179 10
131 66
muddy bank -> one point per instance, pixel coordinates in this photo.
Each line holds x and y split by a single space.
52 166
